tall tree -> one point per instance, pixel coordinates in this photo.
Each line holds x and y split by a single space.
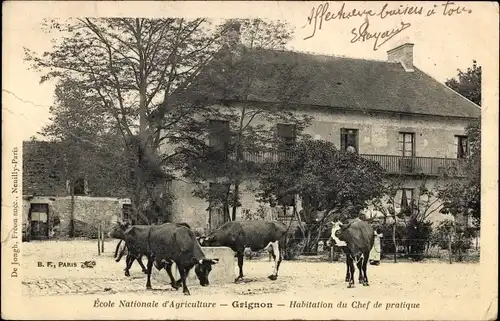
132 69
88 145
463 197
468 83
241 130
329 183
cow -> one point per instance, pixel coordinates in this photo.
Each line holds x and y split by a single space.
356 239
171 243
132 255
257 235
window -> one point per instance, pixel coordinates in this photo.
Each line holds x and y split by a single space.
283 214
80 187
127 212
462 143
217 207
218 134
288 200
287 136
406 144
39 212
39 217
348 140
218 193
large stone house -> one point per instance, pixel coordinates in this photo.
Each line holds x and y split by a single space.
388 111
53 204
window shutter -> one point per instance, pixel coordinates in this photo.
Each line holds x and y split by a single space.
455 147
465 146
409 199
342 139
401 144
404 199
397 201
287 130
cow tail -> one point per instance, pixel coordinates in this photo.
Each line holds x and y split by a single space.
117 248
148 242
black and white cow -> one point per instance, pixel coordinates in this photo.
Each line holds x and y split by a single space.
356 240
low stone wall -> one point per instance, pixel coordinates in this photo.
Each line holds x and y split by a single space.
89 211
222 273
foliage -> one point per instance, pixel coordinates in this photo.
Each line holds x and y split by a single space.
323 178
418 237
463 197
78 131
468 83
413 227
259 214
387 243
231 79
459 235
330 184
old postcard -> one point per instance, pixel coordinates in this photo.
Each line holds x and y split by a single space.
249 160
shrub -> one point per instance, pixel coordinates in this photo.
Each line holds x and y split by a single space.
259 214
419 235
461 237
387 242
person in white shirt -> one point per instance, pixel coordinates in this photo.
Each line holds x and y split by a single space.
351 149
376 249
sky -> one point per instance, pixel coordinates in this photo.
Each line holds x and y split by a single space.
442 43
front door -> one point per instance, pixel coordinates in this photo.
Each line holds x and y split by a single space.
39 221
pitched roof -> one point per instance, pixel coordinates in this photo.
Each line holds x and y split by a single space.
336 82
41 169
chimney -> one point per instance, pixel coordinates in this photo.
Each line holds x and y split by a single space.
402 54
232 36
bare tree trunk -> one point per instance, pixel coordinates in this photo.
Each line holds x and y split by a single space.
394 240
450 255
299 220
236 199
225 207
143 123
72 214
99 239
320 229
102 237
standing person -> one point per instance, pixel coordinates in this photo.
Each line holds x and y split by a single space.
377 248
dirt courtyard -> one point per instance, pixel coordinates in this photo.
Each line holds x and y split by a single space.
415 280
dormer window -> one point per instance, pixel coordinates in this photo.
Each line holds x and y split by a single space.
349 140
218 134
287 136
79 187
